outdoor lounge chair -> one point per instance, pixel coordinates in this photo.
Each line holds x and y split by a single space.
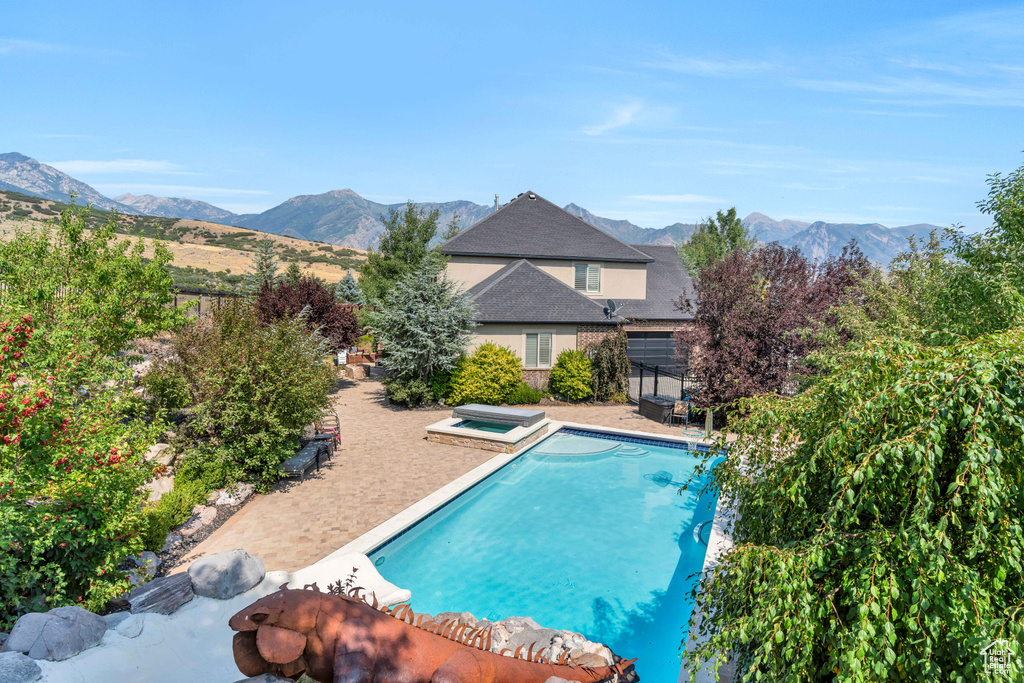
308 455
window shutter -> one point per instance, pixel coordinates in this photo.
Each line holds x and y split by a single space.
544 349
581 277
531 351
594 277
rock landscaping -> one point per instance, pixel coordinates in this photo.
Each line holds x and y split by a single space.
56 635
226 574
162 595
16 667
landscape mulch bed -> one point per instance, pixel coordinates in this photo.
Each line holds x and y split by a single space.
173 557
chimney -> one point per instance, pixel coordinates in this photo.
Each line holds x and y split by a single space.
495 202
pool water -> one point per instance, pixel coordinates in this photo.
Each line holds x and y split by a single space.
485 426
581 533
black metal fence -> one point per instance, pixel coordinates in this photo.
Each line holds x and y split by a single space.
647 380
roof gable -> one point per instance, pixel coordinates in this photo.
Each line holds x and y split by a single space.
530 226
523 293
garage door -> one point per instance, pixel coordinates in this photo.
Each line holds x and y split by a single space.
653 348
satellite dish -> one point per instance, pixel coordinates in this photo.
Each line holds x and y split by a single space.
609 310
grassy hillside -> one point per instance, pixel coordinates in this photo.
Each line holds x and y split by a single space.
206 255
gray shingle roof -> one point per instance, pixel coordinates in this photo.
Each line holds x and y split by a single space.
523 293
532 227
667 279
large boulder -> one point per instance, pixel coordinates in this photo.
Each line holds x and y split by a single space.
15 667
226 574
162 595
162 453
56 635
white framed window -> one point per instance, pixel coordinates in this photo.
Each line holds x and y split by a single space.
587 277
538 350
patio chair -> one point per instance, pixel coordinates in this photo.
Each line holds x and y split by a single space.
328 423
681 411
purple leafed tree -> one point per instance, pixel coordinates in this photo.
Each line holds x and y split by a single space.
284 299
757 313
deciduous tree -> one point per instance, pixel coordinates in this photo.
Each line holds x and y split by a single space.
404 246
756 317
713 239
317 304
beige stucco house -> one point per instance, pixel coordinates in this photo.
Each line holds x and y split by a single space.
541 280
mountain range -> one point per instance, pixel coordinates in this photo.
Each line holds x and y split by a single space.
345 218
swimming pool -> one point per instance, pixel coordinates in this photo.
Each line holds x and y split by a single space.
584 532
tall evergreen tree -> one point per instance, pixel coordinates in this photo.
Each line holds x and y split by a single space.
293 273
403 248
424 322
347 290
264 267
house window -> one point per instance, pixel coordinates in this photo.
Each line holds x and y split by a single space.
588 277
538 350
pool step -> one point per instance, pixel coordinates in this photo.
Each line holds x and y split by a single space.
632 452
698 532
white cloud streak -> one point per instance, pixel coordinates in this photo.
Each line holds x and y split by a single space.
621 116
116 166
712 68
182 189
676 198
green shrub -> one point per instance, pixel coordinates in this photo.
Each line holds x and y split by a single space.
489 376
407 391
169 389
524 395
207 466
253 387
571 375
441 384
71 479
618 398
610 366
173 508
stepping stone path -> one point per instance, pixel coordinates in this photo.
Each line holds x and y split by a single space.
226 574
162 595
15 667
56 635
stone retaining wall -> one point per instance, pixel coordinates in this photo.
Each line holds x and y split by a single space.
484 443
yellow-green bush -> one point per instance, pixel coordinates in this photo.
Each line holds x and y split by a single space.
572 375
488 376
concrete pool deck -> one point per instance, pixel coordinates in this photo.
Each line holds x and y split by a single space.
384 465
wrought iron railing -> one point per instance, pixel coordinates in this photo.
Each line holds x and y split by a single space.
646 380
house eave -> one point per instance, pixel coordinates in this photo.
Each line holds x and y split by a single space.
546 257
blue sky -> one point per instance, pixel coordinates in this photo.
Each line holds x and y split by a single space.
656 112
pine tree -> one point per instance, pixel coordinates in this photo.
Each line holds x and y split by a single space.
293 273
347 290
264 267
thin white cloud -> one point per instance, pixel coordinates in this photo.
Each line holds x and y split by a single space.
621 116
699 66
10 46
676 198
180 189
809 188
116 166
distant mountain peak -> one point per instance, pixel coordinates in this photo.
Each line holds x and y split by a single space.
15 157
175 207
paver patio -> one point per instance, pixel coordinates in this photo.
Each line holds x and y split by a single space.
384 465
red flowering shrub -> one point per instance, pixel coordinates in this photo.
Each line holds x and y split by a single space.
72 470
285 299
